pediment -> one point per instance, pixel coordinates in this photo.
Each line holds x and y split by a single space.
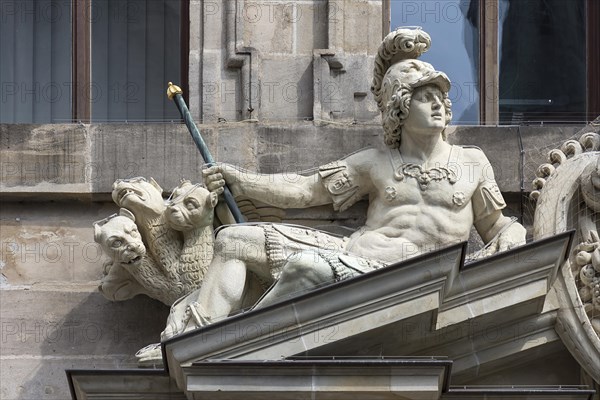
415 308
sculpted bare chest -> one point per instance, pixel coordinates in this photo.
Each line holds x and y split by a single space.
403 184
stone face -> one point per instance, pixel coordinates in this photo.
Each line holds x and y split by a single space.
158 248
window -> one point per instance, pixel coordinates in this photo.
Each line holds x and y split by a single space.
542 56
91 60
35 63
513 61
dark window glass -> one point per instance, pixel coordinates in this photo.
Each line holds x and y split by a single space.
542 61
136 51
35 61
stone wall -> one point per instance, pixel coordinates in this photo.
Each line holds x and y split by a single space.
277 60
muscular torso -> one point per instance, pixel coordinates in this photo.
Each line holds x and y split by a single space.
404 220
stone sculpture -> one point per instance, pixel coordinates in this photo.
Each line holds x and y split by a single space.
161 249
567 191
120 240
567 195
423 194
587 259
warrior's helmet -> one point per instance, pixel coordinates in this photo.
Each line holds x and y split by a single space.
397 73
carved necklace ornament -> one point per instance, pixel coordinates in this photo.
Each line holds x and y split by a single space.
425 176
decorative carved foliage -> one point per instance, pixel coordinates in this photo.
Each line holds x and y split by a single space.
589 141
586 270
574 201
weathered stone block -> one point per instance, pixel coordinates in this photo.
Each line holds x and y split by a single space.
195 99
68 329
233 96
164 152
209 86
367 15
286 89
75 323
196 25
311 31
503 146
37 158
211 21
292 147
50 242
236 144
268 25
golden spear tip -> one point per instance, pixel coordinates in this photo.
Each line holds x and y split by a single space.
172 90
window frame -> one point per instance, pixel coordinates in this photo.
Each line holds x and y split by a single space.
81 95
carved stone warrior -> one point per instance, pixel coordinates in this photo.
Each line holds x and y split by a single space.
423 194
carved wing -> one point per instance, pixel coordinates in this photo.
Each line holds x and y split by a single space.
256 211
253 210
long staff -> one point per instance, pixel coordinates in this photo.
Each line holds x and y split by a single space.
175 93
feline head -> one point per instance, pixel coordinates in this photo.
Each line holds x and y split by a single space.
191 206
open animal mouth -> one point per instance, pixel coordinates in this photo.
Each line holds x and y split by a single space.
134 260
123 193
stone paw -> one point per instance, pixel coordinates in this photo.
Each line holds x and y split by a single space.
150 356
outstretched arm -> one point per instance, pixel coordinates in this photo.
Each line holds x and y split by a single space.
288 190
342 183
